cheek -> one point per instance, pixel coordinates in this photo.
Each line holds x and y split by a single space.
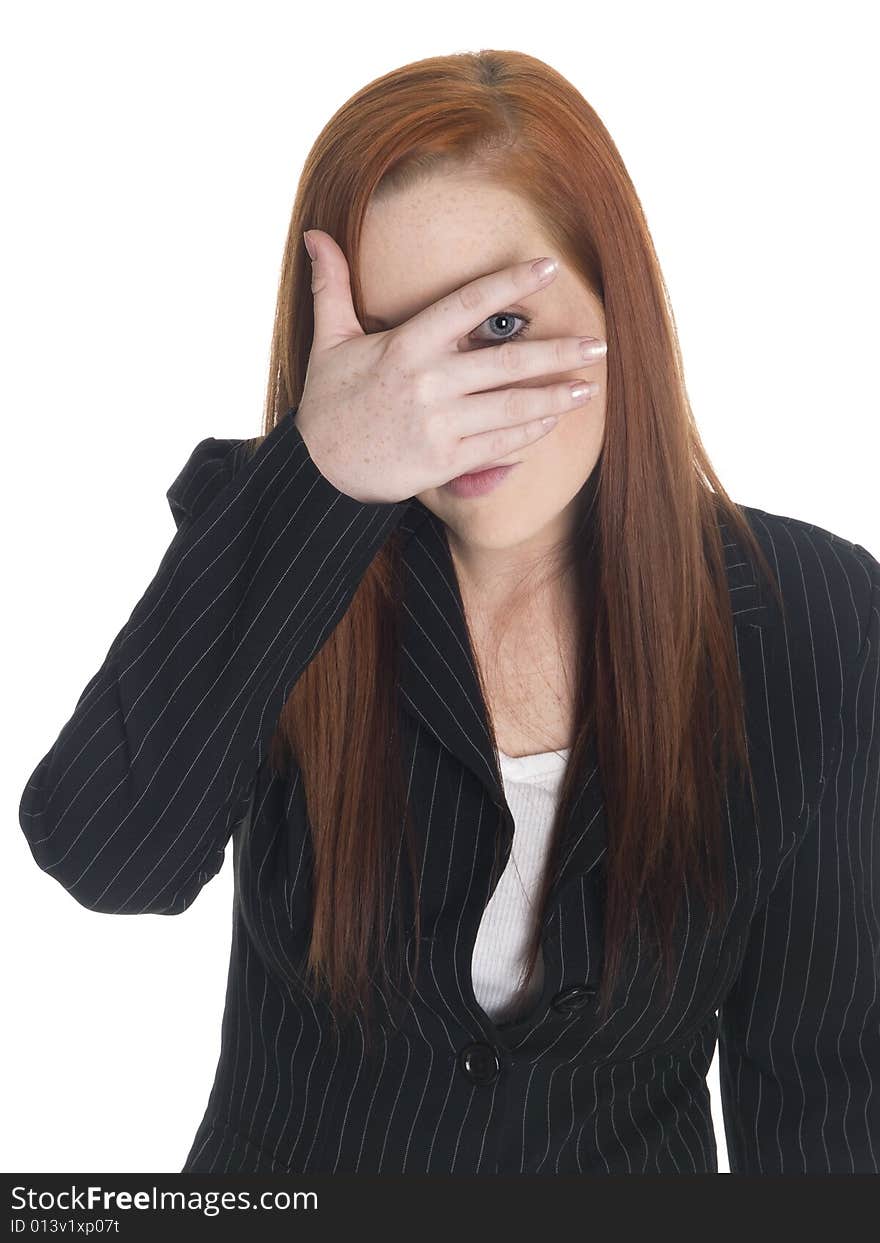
575 441
582 431
565 457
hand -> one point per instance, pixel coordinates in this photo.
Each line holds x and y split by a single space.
386 415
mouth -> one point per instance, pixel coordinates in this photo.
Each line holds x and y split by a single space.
479 482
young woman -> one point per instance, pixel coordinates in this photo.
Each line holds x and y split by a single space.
546 765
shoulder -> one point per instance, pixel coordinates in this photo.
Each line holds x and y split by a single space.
829 584
824 577
811 660
210 465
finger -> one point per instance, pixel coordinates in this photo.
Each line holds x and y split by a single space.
480 452
335 318
483 413
475 371
444 322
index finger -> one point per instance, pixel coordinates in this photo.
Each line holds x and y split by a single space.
448 319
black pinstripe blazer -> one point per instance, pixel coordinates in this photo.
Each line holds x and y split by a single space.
164 758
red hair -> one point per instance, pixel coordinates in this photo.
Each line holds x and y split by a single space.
659 676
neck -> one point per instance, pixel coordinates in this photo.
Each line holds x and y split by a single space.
493 580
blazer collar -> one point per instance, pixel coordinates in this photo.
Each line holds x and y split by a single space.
438 680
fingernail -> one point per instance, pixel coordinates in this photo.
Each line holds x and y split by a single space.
592 347
544 268
310 246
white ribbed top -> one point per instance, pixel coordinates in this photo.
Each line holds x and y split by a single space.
531 787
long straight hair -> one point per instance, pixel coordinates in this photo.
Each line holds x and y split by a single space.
657 676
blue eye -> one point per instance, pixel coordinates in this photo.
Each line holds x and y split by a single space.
504 318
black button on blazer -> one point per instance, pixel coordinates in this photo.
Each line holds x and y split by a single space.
165 758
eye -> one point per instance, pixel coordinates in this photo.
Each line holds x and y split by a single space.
500 323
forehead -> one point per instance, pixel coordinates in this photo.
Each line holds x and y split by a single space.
423 242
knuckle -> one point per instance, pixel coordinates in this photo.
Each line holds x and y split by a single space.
470 297
500 444
510 357
515 404
443 454
448 457
526 433
434 430
395 349
423 385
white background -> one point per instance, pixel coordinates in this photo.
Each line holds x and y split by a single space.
152 153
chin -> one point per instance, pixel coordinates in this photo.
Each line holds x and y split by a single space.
495 531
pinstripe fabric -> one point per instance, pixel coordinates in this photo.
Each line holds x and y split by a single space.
164 759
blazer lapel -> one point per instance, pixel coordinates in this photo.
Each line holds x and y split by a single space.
439 686
437 676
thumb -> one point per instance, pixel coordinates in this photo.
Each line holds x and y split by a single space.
334 315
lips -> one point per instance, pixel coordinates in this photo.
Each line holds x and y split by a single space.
477 483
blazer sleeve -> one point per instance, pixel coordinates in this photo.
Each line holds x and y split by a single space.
799 1034
132 807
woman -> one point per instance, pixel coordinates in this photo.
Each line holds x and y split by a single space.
545 764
